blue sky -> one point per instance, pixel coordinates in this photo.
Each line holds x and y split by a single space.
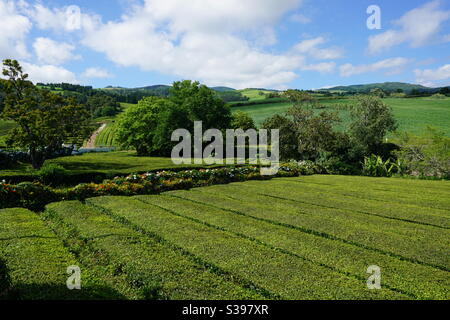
254 43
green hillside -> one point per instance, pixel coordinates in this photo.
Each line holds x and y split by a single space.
412 114
386 86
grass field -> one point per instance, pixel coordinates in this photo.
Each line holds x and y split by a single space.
413 115
289 238
255 94
115 162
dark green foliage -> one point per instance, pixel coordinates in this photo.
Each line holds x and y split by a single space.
202 104
427 156
377 92
386 86
101 105
372 120
170 119
35 195
258 102
228 96
45 121
304 135
242 120
375 166
52 174
137 126
148 126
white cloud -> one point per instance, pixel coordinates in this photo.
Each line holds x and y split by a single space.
200 39
48 73
52 52
96 73
214 16
390 65
429 76
68 19
324 67
300 18
417 27
13 31
310 47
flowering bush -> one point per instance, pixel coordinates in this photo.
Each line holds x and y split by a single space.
26 194
36 195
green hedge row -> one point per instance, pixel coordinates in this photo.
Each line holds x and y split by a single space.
156 270
35 195
280 275
33 262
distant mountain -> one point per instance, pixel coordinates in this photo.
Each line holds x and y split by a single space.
154 87
222 89
162 88
386 86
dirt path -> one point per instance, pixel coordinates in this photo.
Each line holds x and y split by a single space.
90 144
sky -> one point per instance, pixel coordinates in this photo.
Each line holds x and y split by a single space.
277 44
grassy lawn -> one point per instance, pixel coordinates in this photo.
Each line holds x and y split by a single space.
289 238
123 162
413 115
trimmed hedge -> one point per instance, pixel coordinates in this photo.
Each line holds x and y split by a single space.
149 266
33 262
35 195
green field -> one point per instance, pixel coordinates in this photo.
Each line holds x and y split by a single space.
255 94
118 162
106 137
413 115
310 237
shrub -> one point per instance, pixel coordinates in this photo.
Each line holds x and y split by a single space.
52 174
5 281
29 195
5 160
438 96
427 156
375 166
35 196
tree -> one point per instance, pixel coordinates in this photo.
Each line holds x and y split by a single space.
298 97
148 126
202 104
170 119
101 105
45 121
315 133
304 135
136 126
371 121
242 120
288 135
377 92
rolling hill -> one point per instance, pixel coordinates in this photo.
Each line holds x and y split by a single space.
386 86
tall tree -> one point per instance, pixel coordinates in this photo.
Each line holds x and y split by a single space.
45 121
372 120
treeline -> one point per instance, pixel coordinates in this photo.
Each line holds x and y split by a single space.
98 103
